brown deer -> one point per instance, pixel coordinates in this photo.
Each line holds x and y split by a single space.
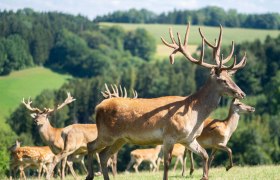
65 141
70 140
165 120
216 133
177 152
27 157
137 156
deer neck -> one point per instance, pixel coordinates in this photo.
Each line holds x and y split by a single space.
232 121
205 100
47 132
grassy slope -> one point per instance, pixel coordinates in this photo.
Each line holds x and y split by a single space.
268 172
237 34
25 83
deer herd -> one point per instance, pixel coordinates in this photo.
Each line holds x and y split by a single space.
177 125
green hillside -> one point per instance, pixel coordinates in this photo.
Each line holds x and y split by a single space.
237 34
157 30
25 83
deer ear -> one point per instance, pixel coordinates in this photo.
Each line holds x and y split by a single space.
33 115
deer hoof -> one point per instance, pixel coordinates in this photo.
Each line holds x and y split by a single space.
98 174
228 168
191 171
89 178
204 178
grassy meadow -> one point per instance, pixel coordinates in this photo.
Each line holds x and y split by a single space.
157 30
268 172
26 83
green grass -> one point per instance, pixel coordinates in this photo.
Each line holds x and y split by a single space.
26 83
237 34
267 172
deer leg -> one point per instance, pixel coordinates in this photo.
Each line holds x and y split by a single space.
83 165
99 173
191 160
196 148
40 170
167 154
70 165
159 160
212 156
154 165
184 163
137 164
92 148
228 150
176 164
22 174
181 160
106 153
114 163
132 160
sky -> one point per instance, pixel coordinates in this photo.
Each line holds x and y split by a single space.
93 8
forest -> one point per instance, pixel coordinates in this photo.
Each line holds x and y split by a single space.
78 46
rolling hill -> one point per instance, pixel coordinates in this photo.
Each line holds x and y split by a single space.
25 83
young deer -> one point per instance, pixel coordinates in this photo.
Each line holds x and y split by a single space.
216 133
165 120
137 156
29 156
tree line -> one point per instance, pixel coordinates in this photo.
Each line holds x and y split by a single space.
94 56
209 16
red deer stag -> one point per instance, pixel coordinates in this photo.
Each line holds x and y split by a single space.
216 133
165 120
137 156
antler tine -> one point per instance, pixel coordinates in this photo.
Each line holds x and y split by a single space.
228 68
117 90
115 94
121 91
241 64
230 55
174 45
217 47
184 48
207 42
135 94
68 100
125 93
28 106
108 91
104 94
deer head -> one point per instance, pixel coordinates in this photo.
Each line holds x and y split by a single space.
239 107
15 146
41 116
220 74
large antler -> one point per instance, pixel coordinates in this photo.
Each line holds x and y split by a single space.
28 106
123 93
68 100
183 48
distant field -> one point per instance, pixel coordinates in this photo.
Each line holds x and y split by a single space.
269 172
25 83
237 34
